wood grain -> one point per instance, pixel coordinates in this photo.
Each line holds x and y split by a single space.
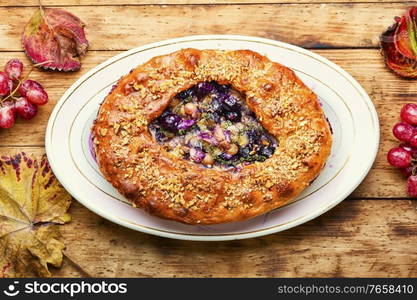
171 2
374 238
310 26
367 238
387 91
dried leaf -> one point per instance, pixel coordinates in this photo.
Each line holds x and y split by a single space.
397 62
32 203
399 45
405 34
55 35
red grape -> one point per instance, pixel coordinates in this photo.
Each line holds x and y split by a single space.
403 131
407 171
34 92
27 110
25 103
413 140
4 84
409 148
14 68
412 185
409 113
404 156
7 114
398 157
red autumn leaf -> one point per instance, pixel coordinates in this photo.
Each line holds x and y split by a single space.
402 39
405 34
397 62
399 45
57 36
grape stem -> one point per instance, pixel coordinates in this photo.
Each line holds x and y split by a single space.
11 95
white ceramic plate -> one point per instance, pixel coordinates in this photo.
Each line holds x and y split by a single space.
347 106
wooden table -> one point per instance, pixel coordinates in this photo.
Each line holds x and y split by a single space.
372 233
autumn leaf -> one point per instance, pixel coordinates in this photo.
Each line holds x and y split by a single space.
32 204
397 62
399 44
405 34
57 36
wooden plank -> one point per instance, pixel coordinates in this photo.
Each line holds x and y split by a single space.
169 2
387 91
311 26
34 151
372 238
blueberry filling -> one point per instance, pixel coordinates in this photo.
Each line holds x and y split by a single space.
211 124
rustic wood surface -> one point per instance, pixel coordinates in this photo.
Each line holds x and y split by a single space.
32 3
372 233
325 25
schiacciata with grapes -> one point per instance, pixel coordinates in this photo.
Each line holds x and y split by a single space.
210 136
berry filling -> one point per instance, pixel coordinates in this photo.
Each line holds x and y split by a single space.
210 124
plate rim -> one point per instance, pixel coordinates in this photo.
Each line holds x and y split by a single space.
218 237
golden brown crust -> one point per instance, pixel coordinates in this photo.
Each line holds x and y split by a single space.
176 189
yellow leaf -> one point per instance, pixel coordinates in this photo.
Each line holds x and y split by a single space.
32 203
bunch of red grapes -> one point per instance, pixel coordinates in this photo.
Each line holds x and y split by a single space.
18 96
404 156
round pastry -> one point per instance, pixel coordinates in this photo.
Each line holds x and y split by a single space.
210 136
